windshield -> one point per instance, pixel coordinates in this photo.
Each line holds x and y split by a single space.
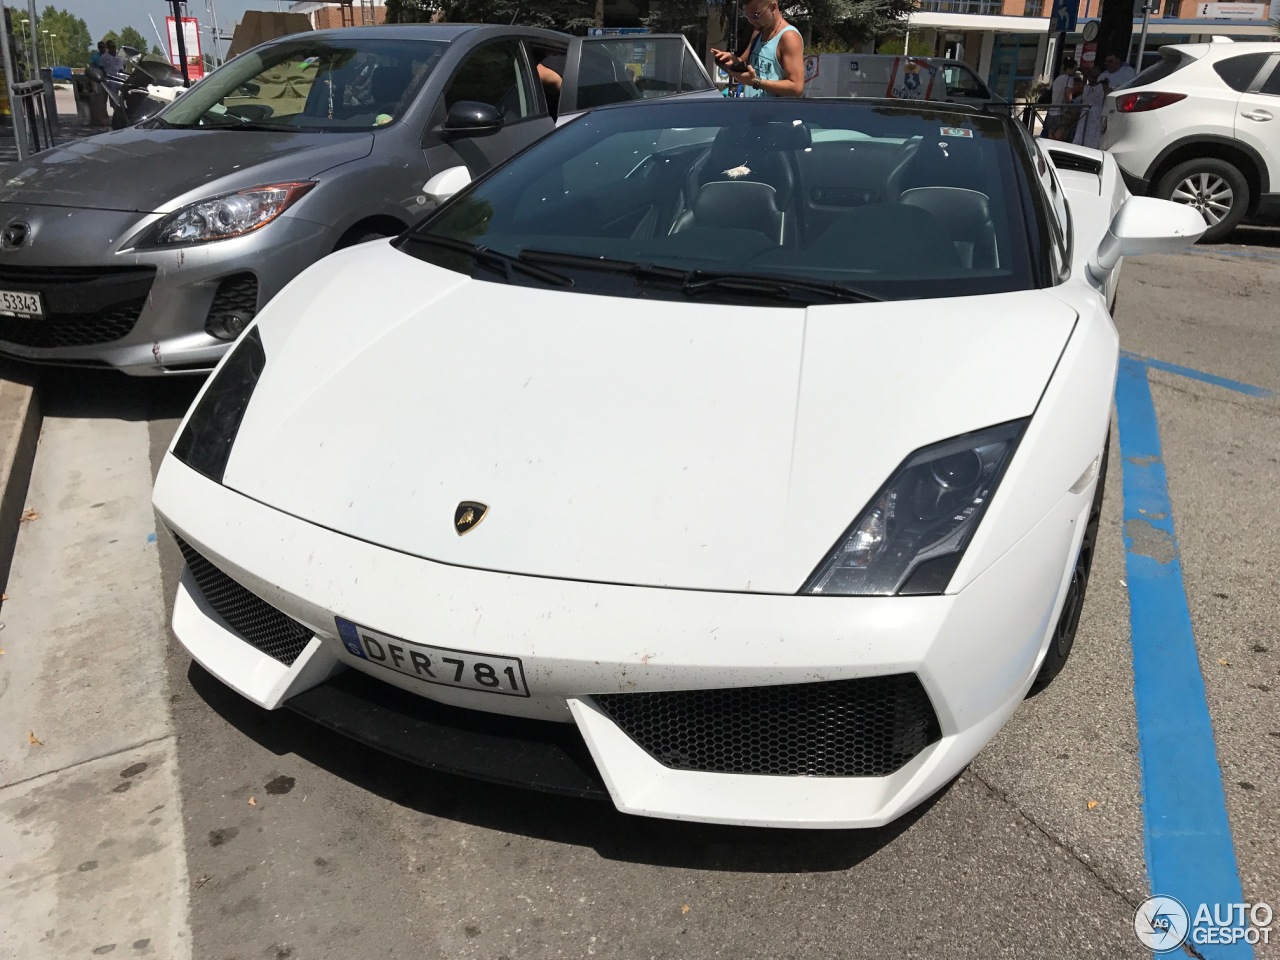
310 85
651 200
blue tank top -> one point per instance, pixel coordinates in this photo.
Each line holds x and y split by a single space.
764 61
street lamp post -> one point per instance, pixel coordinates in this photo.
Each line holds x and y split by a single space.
26 53
53 49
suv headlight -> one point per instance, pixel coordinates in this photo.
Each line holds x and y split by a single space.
909 539
226 216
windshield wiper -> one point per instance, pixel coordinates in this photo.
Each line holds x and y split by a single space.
484 256
645 271
779 288
696 282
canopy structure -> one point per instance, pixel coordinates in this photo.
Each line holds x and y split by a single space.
260 26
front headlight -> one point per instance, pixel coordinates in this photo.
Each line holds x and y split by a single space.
910 538
205 442
230 215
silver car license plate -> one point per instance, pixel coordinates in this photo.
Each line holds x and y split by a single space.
16 304
481 672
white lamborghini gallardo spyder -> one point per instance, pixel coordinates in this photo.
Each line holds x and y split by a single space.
739 461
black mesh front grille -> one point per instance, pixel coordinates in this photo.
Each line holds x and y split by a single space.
237 295
867 727
83 307
108 325
259 623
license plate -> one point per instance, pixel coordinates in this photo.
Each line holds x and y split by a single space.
482 672
16 304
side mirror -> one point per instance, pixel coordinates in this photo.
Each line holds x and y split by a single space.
446 183
95 74
469 116
1147 225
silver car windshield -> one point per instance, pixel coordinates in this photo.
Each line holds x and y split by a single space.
731 197
310 85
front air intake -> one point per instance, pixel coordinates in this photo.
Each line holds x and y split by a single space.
868 727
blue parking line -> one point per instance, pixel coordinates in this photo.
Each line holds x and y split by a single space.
1246 388
1187 836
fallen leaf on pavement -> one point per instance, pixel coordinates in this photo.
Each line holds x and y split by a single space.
30 514
31 739
685 908
1091 804
1223 663
253 801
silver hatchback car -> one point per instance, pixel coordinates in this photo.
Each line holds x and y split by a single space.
149 249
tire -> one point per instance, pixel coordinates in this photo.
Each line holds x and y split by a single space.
1064 633
1214 187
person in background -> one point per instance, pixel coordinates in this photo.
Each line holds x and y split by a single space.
97 54
772 65
1117 74
1059 94
1092 97
112 65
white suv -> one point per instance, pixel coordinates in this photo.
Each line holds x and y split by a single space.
1202 127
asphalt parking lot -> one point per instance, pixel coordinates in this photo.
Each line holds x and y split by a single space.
279 840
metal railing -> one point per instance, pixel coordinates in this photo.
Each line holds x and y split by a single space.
32 125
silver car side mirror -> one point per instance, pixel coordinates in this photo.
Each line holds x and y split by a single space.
446 183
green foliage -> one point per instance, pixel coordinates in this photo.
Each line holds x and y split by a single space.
920 47
848 24
132 38
67 43
410 11
842 24
550 14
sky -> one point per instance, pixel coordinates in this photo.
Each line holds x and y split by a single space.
104 15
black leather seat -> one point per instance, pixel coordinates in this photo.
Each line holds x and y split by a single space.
966 217
753 157
946 178
389 85
735 205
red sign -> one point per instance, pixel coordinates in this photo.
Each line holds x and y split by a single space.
191 37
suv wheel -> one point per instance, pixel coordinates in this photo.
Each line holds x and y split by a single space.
1214 187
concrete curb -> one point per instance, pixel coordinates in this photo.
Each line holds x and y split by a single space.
20 420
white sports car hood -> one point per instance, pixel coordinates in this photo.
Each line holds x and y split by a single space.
616 440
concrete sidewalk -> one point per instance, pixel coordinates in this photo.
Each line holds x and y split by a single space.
91 838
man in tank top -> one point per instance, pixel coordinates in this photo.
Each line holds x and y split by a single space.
772 65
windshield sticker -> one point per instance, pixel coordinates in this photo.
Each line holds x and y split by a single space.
955 132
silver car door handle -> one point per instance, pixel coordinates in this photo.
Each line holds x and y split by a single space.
1258 115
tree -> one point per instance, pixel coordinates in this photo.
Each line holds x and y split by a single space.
1115 31
130 37
834 24
852 23
564 15
410 11
70 41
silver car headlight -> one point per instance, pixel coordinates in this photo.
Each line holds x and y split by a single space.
909 539
225 216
